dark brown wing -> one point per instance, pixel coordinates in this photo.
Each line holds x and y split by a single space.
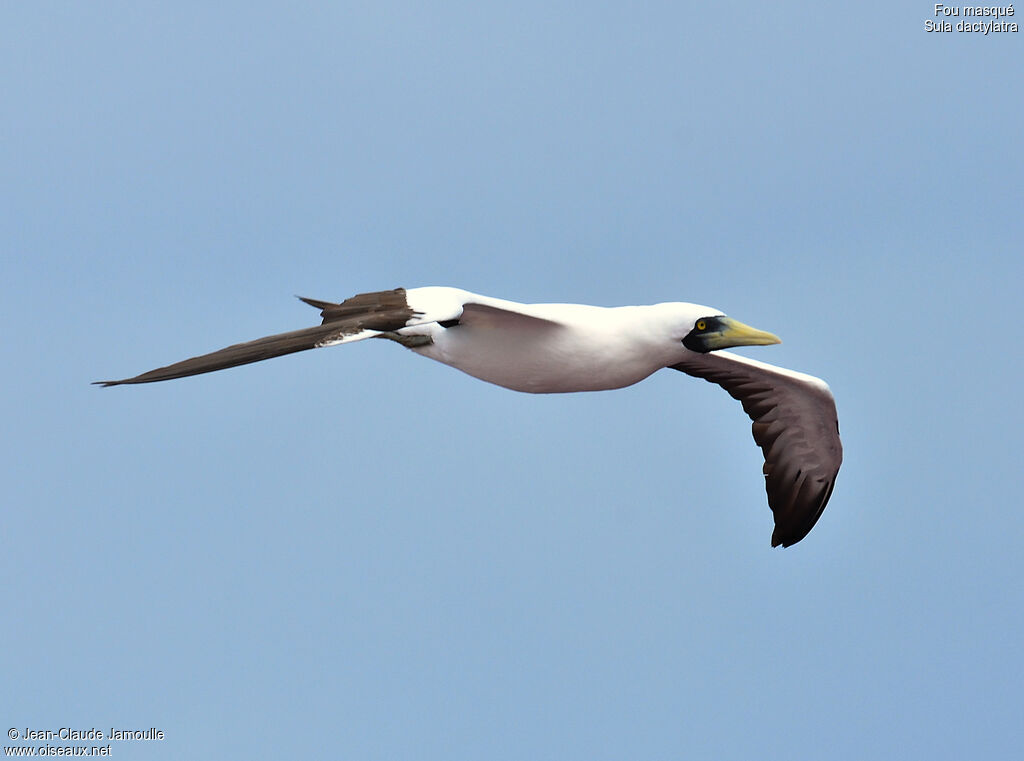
361 316
796 426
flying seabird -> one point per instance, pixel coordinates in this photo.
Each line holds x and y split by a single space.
557 348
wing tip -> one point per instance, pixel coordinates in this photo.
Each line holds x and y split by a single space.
794 533
316 303
778 541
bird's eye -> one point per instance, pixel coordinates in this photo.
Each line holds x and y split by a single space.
701 325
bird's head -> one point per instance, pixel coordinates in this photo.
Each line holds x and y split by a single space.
720 332
702 329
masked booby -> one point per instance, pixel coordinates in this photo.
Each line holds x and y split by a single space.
558 348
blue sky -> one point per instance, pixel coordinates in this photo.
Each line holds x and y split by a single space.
358 553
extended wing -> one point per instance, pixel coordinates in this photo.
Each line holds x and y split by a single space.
797 428
363 316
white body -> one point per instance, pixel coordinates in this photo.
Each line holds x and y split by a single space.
583 348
